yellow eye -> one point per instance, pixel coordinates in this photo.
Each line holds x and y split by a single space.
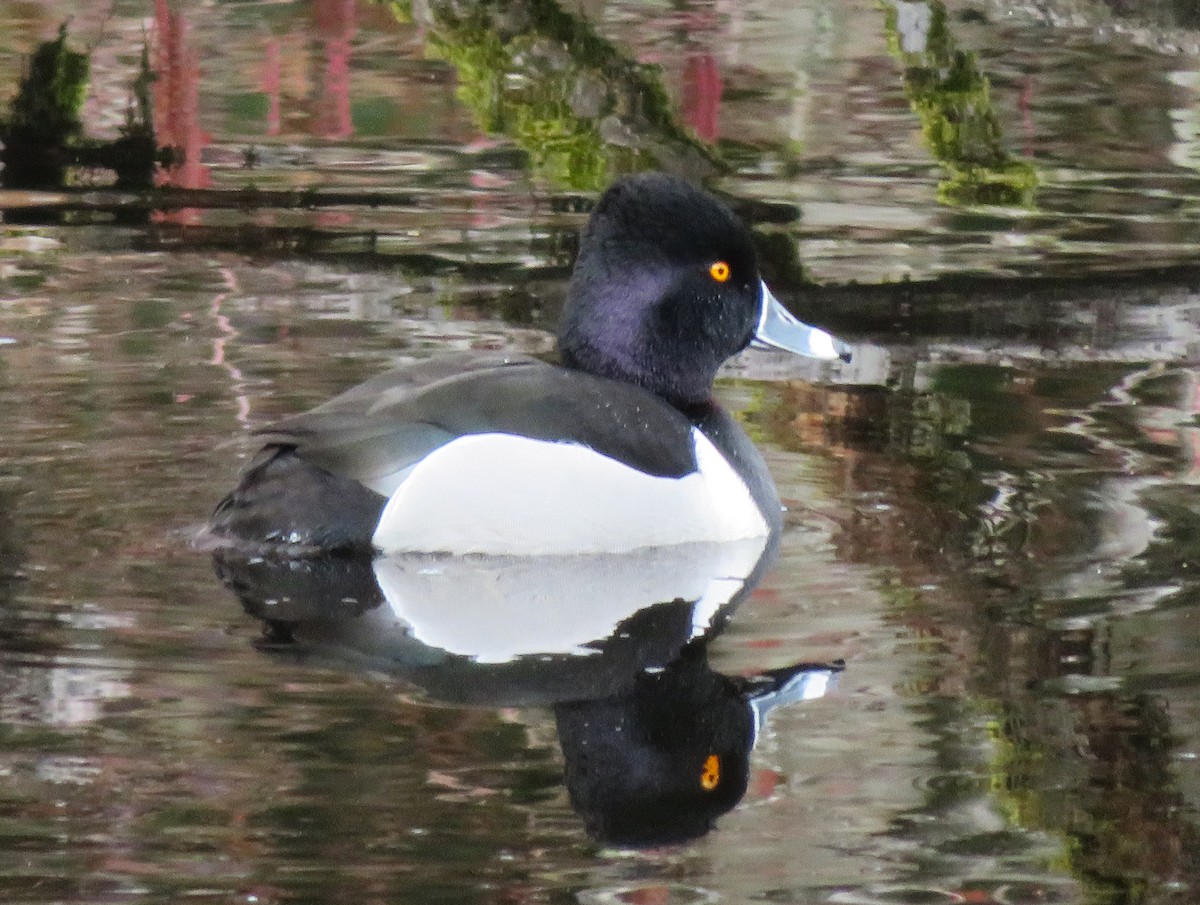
719 271
710 776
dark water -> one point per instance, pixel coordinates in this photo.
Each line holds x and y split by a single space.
993 514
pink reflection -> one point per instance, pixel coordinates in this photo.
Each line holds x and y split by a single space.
271 81
225 333
1174 425
1025 104
486 205
336 25
333 219
702 87
177 109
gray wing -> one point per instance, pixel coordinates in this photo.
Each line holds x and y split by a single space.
376 431
369 432
322 478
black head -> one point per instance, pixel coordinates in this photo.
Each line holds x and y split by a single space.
664 290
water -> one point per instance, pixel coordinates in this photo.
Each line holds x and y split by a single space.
992 515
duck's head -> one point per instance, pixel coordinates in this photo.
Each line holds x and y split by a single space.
666 288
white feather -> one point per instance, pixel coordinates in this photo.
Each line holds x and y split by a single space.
508 495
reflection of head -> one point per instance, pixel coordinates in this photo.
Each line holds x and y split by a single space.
658 764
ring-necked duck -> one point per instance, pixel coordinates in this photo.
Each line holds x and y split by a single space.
619 447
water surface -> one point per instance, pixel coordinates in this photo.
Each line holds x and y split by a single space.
992 513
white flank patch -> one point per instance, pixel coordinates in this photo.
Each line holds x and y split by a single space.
507 495
494 609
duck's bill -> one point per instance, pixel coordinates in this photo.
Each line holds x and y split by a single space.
778 329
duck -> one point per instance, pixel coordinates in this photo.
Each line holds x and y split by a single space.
616 446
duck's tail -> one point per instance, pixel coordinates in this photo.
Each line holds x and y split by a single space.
285 504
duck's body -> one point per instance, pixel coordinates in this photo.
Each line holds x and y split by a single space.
489 454
618 448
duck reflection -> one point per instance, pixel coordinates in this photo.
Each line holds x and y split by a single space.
656 743
658 763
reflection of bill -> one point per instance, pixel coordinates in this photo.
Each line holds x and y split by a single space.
656 744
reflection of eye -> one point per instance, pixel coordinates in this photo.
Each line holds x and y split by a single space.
719 271
710 776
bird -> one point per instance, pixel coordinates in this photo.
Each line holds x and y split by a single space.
617 445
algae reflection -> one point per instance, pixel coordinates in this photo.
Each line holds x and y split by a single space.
1082 745
952 98
1039 583
583 111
